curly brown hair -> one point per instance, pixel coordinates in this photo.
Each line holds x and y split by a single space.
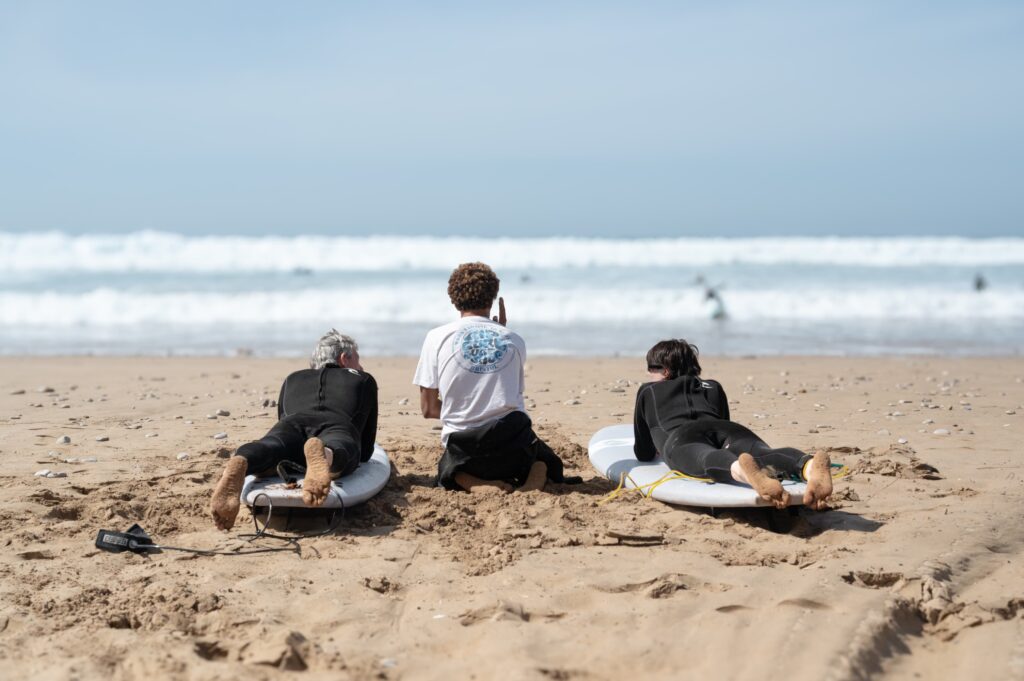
473 286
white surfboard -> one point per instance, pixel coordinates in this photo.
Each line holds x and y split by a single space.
611 453
366 481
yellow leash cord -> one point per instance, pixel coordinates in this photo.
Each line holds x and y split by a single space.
647 490
839 471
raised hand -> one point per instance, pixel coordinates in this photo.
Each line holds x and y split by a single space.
501 319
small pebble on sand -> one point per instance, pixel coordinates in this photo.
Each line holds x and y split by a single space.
940 431
903 441
220 436
102 438
182 456
1010 412
17 392
571 403
401 403
211 416
44 389
63 440
152 434
927 422
223 412
47 473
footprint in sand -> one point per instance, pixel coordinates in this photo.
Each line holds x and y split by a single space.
664 585
505 611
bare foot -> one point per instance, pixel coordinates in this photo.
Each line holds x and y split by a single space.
473 484
819 481
317 483
537 477
766 486
224 503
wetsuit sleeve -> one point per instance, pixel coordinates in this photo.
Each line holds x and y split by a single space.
280 400
369 435
643 445
723 402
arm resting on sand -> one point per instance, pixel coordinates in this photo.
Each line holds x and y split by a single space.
643 444
369 434
430 403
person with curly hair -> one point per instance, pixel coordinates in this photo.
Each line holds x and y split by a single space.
470 376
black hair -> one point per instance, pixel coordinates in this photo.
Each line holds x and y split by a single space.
676 355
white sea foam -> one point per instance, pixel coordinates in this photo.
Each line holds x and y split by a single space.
162 252
107 308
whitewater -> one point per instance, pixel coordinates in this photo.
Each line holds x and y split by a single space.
158 293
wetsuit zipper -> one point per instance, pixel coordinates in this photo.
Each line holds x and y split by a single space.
320 395
689 400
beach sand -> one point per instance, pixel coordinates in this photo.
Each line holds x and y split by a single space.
917 573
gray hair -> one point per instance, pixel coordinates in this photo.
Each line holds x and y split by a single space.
330 347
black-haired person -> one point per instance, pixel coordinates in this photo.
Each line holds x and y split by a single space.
471 376
686 419
327 422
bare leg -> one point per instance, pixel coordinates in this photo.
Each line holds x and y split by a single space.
473 484
224 503
536 478
317 483
818 474
746 470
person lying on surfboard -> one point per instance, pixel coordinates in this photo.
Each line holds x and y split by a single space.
470 375
686 419
327 422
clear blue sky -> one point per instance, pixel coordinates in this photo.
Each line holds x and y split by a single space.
588 118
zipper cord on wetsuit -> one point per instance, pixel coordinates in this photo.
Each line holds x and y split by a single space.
689 398
320 394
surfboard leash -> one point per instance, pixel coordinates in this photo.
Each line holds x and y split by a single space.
647 491
137 540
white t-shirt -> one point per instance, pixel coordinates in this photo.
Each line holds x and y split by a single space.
477 366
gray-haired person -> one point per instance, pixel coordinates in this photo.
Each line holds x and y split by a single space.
327 422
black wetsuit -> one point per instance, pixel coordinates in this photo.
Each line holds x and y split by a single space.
337 405
504 450
687 420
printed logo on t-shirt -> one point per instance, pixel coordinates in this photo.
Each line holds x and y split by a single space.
481 349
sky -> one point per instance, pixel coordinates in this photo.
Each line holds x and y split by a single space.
713 118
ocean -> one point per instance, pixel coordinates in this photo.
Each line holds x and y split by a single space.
151 293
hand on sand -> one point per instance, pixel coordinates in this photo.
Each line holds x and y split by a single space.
766 486
501 319
819 481
225 502
317 483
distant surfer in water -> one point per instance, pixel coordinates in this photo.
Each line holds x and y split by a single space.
686 419
711 295
327 423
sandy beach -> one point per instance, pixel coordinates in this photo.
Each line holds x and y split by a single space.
915 573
